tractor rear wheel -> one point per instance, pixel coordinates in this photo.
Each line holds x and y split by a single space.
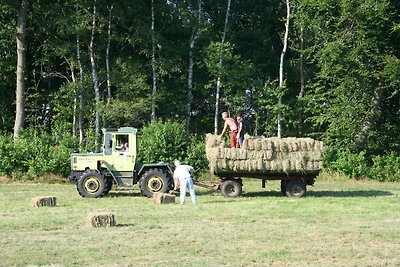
231 188
296 188
154 180
93 184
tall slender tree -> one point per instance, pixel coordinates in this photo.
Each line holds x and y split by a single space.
193 39
95 78
218 89
21 66
285 42
153 64
108 55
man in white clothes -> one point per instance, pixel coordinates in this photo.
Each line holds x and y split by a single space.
184 174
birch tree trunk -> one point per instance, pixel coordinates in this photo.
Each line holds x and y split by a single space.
21 64
75 106
153 64
369 121
302 82
95 79
218 91
80 124
285 41
193 39
108 57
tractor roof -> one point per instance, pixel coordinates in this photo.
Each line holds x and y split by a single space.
119 130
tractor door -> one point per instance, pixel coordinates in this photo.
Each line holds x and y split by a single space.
122 160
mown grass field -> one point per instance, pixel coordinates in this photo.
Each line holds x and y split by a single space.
339 223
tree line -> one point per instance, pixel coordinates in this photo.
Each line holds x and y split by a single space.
321 68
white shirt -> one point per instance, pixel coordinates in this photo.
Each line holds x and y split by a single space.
183 171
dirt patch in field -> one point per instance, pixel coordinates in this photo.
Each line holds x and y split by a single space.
4 180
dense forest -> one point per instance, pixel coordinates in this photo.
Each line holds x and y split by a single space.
327 69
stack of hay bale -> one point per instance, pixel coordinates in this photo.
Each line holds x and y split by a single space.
265 155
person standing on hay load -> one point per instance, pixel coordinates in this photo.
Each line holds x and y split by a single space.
231 123
184 174
242 129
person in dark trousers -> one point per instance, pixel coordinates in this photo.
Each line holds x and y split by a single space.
241 129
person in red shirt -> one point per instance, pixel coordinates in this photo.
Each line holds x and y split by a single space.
231 123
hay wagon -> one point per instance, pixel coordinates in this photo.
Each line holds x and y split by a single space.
296 162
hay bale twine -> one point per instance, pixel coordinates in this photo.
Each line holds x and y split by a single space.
44 201
101 219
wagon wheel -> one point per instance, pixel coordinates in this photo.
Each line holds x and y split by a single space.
296 188
231 188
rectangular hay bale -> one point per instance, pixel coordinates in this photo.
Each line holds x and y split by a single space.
44 201
163 198
104 219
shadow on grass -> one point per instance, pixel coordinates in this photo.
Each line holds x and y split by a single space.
125 193
262 194
130 193
344 193
121 225
350 193
207 193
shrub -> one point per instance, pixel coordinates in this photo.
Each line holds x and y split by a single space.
358 165
167 141
386 168
197 153
163 141
354 165
34 154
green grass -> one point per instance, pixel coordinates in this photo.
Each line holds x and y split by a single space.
339 223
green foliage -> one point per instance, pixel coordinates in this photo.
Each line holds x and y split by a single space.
35 154
357 165
386 167
351 164
163 141
197 153
168 141
235 73
348 50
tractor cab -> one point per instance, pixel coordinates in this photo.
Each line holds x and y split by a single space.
120 150
95 173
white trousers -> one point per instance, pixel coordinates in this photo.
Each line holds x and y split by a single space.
187 183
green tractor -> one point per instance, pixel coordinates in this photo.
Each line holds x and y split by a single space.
95 173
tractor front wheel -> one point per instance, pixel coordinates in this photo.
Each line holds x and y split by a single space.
154 180
93 184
